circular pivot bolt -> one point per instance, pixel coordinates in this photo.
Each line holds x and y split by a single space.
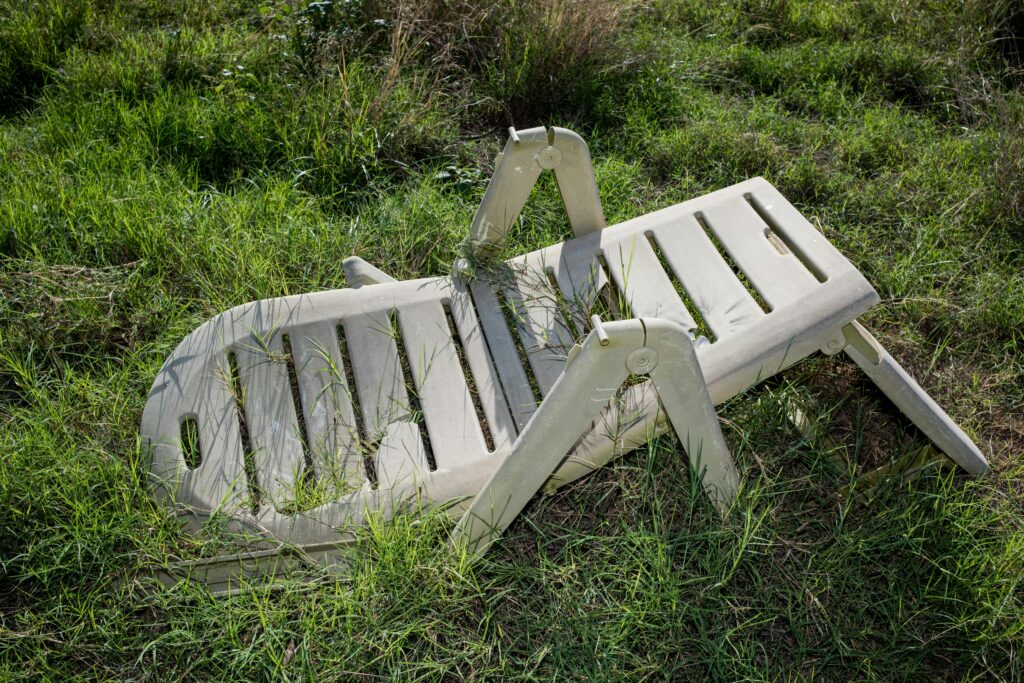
549 157
642 361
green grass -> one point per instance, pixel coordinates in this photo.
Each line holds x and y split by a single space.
161 160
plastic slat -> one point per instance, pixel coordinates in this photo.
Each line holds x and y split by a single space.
377 371
709 281
580 277
488 385
326 400
401 458
218 476
514 381
796 229
452 424
779 278
270 416
540 323
638 273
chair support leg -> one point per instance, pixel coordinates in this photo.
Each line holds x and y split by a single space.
911 399
359 273
527 154
684 395
593 374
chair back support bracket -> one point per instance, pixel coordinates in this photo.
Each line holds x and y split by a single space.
527 154
594 373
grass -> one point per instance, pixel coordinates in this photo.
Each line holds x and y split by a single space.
161 161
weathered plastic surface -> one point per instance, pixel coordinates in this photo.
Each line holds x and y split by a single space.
298 415
395 329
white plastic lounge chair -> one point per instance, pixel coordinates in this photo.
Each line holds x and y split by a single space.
297 416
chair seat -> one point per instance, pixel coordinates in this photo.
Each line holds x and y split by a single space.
298 414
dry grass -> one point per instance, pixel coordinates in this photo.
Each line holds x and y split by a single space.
76 308
574 33
516 61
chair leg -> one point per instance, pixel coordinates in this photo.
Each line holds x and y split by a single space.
359 273
911 399
683 392
593 374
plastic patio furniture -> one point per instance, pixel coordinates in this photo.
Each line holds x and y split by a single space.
297 418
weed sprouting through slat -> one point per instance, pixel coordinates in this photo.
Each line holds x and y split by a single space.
309 473
490 353
515 321
615 301
367 449
191 447
238 395
702 327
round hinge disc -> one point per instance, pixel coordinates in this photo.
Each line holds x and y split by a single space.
642 361
549 157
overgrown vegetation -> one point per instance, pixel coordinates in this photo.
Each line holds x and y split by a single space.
161 160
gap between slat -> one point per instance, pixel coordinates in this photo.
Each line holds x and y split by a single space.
616 300
703 329
249 456
410 388
191 448
508 310
364 448
498 378
308 473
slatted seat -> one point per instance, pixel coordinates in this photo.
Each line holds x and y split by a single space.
297 415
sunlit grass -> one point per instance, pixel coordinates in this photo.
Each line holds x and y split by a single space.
160 162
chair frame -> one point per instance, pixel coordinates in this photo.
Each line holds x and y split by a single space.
689 377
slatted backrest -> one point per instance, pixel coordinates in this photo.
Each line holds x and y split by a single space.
288 402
